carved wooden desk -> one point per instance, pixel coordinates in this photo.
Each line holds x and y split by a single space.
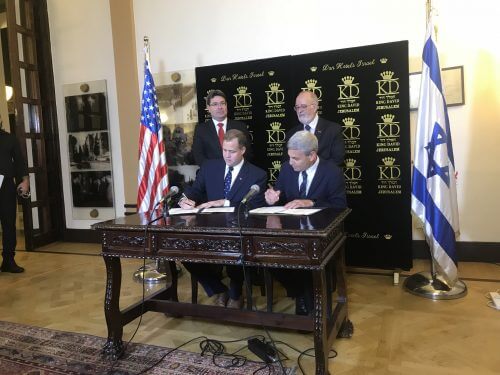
314 243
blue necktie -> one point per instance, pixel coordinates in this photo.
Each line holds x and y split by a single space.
303 185
308 128
227 182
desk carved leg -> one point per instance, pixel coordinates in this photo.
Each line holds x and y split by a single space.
113 348
321 348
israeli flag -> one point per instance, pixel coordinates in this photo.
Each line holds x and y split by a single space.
434 192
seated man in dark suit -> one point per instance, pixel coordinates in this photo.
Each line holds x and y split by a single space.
328 133
306 181
208 136
224 182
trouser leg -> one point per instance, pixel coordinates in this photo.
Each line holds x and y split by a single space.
8 218
236 278
208 275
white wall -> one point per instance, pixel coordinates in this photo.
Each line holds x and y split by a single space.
82 51
189 33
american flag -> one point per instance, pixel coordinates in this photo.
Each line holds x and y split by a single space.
152 177
434 190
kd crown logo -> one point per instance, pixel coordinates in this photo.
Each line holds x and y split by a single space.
274 171
389 170
349 90
274 95
388 128
313 68
383 60
351 130
213 79
270 73
351 171
311 86
276 134
243 99
387 85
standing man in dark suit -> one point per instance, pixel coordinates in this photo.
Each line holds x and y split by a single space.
306 181
224 183
329 134
12 167
208 136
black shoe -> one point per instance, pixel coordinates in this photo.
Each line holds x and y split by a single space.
11 266
301 306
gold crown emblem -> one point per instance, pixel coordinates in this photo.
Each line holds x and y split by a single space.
275 125
275 86
213 79
387 118
383 60
276 164
387 74
313 68
350 162
387 236
242 89
348 121
348 80
271 73
388 160
311 83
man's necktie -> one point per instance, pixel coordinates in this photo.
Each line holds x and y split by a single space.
308 128
220 133
227 181
303 185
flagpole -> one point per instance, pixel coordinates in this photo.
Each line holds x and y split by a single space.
430 175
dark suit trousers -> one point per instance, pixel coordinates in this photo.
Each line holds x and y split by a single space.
296 282
8 203
210 277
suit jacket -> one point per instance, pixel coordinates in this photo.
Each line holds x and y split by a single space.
327 188
209 184
206 141
330 140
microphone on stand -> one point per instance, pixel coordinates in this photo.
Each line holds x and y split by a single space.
254 189
174 190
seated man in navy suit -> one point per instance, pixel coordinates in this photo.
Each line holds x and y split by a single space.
306 181
224 182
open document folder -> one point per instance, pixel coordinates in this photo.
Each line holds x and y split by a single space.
285 211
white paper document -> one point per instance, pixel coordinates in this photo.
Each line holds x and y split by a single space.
280 210
182 211
216 209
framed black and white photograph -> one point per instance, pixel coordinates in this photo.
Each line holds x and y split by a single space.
86 112
89 150
92 189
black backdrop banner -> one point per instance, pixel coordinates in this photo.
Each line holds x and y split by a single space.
366 91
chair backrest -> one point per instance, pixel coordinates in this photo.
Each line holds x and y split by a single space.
130 209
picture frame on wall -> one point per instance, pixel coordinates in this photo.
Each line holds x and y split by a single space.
89 150
452 79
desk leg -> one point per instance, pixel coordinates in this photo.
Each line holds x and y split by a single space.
321 348
114 345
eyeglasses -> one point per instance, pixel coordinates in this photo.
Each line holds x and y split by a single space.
301 106
218 104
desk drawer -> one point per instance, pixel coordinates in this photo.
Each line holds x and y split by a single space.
124 243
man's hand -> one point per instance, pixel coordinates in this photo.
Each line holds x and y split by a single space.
272 196
186 204
300 203
24 186
217 203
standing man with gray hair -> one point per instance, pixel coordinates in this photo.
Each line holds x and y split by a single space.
12 167
209 136
306 181
329 134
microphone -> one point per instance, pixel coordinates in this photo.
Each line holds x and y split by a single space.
254 189
174 190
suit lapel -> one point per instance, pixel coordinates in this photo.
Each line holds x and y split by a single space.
320 127
315 183
238 182
212 133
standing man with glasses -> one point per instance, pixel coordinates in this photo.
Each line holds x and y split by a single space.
329 134
12 167
209 136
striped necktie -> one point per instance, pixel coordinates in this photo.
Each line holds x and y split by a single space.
303 185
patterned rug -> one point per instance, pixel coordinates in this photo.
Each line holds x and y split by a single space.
40 351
